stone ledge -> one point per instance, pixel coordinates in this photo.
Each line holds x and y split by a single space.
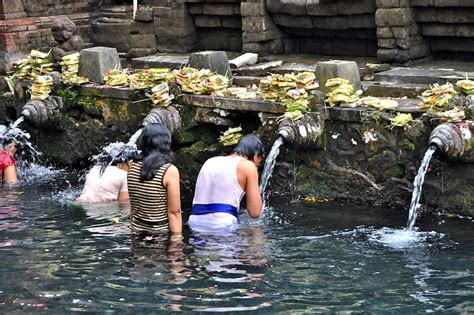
230 103
124 93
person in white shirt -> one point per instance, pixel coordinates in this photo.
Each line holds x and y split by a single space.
107 180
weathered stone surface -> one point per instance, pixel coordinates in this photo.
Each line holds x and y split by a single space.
165 61
348 70
384 32
356 7
422 3
244 81
63 28
229 103
259 69
419 47
144 13
232 22
447 3
393 55
207 21
453 44
262 36
387 42
426 15
270 47
195 8
421 76
96 61
215 61
392 3
455 15
294 68
297 8
439 30
393 17
218 9
290 21
322 9
361 21
401 32
140 52
256 24
253 9
243 60
393 89
72 44
336 22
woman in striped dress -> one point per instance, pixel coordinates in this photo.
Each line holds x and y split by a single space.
153 186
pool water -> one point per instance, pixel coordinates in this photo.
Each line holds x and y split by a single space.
58 257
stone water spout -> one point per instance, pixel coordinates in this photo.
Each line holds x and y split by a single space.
303 132
454 141
40 112
168 116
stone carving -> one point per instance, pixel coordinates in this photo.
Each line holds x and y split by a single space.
64 30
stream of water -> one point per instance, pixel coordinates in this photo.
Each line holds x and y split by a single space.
268 169
417 187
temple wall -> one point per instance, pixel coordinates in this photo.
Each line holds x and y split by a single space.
448 26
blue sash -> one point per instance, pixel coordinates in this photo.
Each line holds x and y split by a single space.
214 207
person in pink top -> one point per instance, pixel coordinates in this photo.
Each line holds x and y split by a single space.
221 184
107 180
7 162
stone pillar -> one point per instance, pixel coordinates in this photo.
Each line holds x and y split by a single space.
260 34
174 28
399 36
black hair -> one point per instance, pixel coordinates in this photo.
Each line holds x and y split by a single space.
155 146
250 146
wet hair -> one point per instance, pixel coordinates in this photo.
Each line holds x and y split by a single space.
250 146
155 146
115 153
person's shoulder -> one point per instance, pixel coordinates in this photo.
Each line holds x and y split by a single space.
172 169
246 166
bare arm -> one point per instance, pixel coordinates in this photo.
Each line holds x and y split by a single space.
9 175
252 190
123 195
171 182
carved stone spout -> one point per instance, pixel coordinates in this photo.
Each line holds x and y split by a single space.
302 132
168 116
453 141
40 112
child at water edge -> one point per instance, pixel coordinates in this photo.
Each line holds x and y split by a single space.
221 184
107 180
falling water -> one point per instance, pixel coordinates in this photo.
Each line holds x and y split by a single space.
17 122
269 165
133 139
418 185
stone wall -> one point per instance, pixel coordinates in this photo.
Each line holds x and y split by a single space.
26 24
218 25
448 25
338 27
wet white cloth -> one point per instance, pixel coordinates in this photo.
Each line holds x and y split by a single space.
106 187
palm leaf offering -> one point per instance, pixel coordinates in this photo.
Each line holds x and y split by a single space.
437 97
70 69
202 82
231 136
160 95
379 102
148 78
41 88
341 93
466 86
116 77
401 119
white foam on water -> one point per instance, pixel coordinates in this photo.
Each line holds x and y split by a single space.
403 238
35 173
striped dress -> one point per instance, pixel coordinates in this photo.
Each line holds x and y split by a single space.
148 200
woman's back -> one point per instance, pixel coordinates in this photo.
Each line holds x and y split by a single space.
104 187
148 200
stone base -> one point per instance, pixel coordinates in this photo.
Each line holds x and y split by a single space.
95 62
215 61
338 69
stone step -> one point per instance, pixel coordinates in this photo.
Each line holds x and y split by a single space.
160 61
240 80
421 76
294 68
259 69
393 89
117 8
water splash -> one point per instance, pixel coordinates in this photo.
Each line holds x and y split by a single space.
404 238
22 139
269 165
30 173
418 185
